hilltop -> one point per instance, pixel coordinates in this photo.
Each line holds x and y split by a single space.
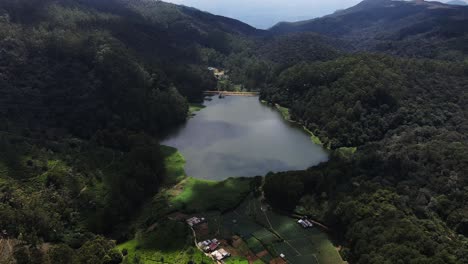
409 28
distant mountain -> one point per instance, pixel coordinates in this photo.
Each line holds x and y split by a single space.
416 28
457 2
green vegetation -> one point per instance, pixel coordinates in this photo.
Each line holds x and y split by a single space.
284 112
193 108
267 230
345 152
430 30
174 164
74 187
296 48
386 98
197 195
88 87
313 137
236 260
169 242
406 120
203 195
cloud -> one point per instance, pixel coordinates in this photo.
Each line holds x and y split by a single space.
266 13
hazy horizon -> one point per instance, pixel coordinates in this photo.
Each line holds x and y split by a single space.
264 14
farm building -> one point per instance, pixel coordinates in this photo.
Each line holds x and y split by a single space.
193 221
218 73
209 245
220 254
305 223
204 243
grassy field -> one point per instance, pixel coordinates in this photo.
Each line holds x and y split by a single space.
170 242
238 260
166 241
193 108
302 245
203 195
174 163
313 137
195 195
189 195
278 234
284 112
263 231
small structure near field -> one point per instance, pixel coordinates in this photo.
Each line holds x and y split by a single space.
305 223
218 73
209 245
193 221
220 254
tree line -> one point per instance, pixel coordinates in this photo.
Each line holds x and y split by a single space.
401 197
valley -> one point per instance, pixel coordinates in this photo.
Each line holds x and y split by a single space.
247 228
355 122
238 136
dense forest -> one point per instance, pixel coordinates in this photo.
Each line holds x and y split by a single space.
402 195
88 88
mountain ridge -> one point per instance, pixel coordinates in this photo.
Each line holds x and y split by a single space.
457 2
394 27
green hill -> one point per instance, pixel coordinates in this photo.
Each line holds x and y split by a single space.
87 88
409 28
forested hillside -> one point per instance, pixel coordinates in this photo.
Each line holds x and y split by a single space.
87 89
356 99
395 189
119 62
401 197
408 28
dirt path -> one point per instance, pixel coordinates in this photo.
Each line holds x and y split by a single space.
297 251
6 251
196 244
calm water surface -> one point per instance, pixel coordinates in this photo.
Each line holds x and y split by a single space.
239 136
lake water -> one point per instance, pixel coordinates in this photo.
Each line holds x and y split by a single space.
239 136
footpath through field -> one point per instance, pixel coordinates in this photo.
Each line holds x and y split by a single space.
268 235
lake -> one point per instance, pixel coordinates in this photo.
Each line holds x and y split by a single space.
239 136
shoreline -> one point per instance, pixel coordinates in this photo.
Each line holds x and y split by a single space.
284 111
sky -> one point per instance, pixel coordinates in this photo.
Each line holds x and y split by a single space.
266 13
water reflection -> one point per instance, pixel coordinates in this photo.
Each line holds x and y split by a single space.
204 133
238 136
